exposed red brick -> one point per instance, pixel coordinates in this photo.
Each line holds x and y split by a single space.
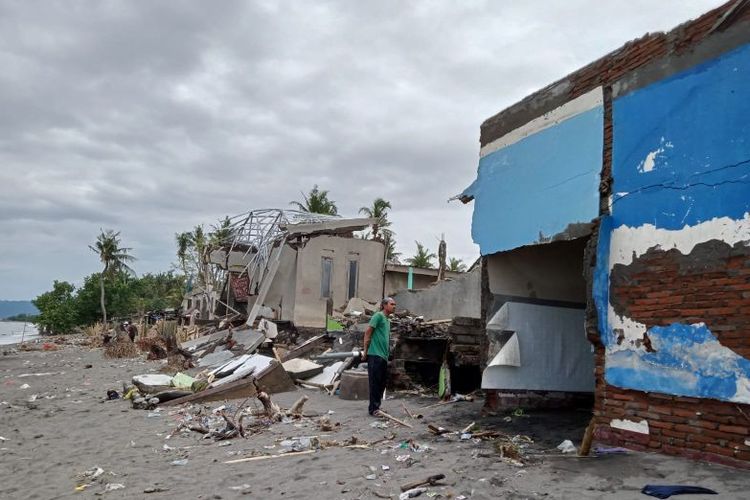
734 429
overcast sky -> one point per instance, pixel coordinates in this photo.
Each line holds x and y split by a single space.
152 117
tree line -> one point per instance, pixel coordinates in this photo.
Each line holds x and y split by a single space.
115 292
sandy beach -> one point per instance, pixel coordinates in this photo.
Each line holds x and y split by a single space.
56 424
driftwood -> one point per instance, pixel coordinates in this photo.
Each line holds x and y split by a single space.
468 428
272 410
381 413
266 457
449 402
437 430
411 414
296 408
431 480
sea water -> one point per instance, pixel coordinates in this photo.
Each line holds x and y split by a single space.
11 332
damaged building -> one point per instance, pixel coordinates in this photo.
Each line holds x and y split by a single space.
296 266
612 210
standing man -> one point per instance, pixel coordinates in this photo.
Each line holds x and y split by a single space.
377 338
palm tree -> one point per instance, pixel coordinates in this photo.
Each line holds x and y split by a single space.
184 244
379 211
391 255
423 258
221 233
316 202
115 259
456 265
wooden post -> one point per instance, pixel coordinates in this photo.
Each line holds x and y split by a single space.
588 436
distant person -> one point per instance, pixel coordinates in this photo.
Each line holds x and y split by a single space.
131 330
376 350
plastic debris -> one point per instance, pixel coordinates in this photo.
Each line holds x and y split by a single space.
241 487
567 446
114 486
182 461
414 492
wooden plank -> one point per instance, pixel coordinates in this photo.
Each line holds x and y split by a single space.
266 457
303 349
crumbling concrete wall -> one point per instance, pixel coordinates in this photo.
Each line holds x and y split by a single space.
446 299
397 278
282 293
668 295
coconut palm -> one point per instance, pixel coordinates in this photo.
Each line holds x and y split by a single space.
456 265
316 202
379 211
221 233
391 255
423 257
194 249
184 244
115 259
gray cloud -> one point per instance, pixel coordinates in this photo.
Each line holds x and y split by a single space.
150 118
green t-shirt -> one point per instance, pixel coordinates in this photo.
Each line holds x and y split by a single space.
381 332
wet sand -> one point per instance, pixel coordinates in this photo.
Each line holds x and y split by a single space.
69 428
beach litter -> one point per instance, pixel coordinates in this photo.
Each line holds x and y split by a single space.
567 446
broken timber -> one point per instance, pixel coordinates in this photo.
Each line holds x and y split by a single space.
303 349
272 380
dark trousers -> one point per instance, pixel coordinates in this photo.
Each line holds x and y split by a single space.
377 371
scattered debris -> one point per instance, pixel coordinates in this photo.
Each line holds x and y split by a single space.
381 413
567 446
431 480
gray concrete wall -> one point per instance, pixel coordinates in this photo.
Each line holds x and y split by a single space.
395 281
446 299
310 307
546 272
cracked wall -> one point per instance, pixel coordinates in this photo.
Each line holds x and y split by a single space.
674 311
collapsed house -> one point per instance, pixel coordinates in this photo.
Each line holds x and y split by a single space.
612 211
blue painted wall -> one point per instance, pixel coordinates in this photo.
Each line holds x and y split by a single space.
698 122
536 187
681 157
